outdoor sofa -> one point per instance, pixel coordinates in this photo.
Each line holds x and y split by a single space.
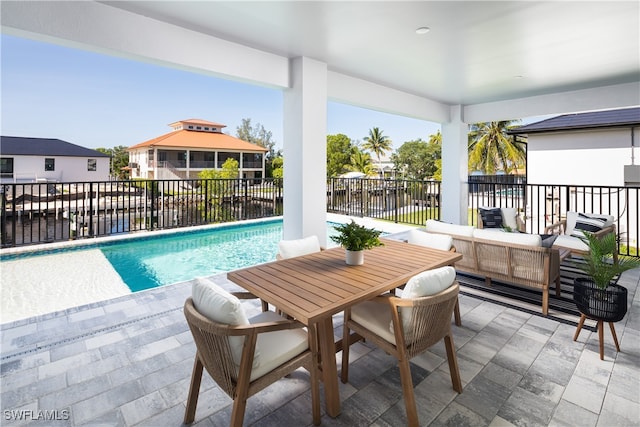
515 258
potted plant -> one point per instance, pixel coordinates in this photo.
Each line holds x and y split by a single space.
356 239
598 296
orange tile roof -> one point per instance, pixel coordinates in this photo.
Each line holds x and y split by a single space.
199 140
199 122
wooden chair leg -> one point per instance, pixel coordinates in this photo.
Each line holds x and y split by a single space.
601 337
453 363
344 375
407 392
615 337
194 390
580 324
456 313
545 301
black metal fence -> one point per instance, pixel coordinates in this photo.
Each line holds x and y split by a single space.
402 201
47 212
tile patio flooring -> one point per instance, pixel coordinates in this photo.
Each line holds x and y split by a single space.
128 362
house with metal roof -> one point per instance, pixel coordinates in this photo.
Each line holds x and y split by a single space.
191 147
599 148
24 159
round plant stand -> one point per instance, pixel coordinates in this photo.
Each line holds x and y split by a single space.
602 305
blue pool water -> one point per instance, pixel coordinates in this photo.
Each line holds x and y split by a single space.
148 263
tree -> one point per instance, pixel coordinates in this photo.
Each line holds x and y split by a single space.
361 162
377 143
278 171
260 136
340 148
417 159
491 149
119 159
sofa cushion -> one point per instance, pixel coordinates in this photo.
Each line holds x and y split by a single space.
587 223
298 247
491 217
509 218
220 306
515 238
570 242
430 240
573 216
442 227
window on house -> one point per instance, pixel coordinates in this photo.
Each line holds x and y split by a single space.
6 167
49 164
92 165
190 127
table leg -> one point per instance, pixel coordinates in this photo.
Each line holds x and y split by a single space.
329 368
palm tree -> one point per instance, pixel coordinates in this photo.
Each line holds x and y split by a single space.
377 144
360 162
491 149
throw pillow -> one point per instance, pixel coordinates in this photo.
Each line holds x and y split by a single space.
220 306
491 217
587 223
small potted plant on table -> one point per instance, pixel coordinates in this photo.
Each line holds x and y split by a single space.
598 296
356 239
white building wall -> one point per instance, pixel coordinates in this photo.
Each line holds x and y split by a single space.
590 157
67 169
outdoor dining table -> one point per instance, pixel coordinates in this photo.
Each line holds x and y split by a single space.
312 288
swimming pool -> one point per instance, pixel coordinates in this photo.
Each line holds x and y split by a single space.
156 260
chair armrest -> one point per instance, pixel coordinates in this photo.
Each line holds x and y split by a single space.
610 229
557 228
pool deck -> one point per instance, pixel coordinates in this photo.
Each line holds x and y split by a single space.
127 362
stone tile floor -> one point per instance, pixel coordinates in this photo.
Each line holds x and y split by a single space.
128 361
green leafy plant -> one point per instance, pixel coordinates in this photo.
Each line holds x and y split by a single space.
598 262
355 237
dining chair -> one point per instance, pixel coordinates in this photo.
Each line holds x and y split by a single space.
298 247
443 242
407 326
244 356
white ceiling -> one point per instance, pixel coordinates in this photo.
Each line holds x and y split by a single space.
475 52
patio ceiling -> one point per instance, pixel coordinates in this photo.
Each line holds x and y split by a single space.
475 52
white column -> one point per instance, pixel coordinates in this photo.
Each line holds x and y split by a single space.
304 150
454 191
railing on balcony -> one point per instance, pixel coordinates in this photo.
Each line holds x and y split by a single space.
46 212
41 213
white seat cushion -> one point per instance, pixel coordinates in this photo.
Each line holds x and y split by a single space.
276 347
298 247
515 238
430 240
442 227
220 306
570 242
376 317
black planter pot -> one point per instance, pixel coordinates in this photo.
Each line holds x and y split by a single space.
609 305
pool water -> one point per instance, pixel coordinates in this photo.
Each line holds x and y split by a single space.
149 263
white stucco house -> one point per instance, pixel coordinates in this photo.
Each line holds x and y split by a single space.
590 148
24 160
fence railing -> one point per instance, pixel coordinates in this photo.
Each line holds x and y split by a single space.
47 212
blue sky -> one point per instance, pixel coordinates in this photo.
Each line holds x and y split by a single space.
96 100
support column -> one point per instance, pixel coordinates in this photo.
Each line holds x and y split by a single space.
454 197
304 150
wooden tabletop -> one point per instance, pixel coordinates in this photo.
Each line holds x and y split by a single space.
321 284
